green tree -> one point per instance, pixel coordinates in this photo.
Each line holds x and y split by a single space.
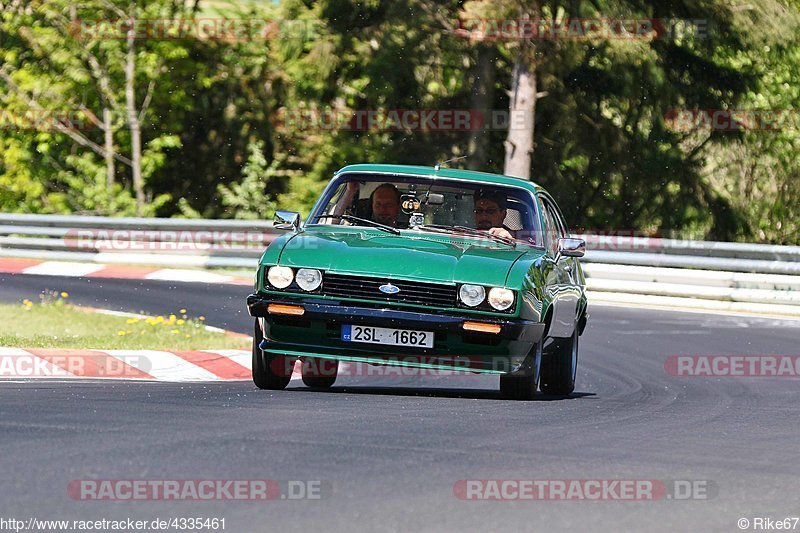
248 199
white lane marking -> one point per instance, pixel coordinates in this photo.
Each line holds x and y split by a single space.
18 363
696 311
163 366
170 274
140 316
111 312
63 268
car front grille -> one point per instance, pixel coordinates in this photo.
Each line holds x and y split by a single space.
411 292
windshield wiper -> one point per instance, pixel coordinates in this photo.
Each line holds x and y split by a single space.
360 220
470 231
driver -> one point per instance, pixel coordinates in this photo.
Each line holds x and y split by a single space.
490 212
384 203
385 200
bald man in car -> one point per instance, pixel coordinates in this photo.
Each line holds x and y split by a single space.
386 204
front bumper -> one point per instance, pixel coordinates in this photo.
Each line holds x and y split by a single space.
318 333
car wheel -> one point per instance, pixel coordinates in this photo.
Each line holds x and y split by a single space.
559 366
522 384
319 373
271 372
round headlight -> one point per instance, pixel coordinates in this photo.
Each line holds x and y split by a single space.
471 295
309 279
501 299
280 277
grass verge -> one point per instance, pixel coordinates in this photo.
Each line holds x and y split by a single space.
54 323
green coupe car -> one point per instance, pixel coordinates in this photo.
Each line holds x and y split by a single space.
423 267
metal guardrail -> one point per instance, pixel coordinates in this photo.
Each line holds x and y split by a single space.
715 249
722 271
150 241
21 221
726 264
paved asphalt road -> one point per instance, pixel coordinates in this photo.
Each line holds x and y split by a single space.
389 450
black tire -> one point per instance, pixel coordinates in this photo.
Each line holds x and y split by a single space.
319 373
559 366
523 384
271 372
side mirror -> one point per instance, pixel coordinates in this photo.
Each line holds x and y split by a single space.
287 220
571 248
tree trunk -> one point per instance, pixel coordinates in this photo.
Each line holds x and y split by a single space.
109 147
521 107
133 117
482 100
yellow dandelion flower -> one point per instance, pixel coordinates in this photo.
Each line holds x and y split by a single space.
132 321
201 318
182 311
120 333
180 322
64 294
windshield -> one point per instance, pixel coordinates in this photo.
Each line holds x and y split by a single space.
429 204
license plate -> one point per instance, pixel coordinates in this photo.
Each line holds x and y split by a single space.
392 337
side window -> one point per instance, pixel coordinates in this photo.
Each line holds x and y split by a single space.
555 227
550 243
562 225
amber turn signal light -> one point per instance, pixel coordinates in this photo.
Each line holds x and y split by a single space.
482 327
280 309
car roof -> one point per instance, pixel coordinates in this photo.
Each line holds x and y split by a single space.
453 173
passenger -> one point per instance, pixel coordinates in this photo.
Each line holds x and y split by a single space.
490 212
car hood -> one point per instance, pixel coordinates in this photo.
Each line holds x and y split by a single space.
429 257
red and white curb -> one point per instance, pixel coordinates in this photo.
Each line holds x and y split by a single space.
154 365
95 270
